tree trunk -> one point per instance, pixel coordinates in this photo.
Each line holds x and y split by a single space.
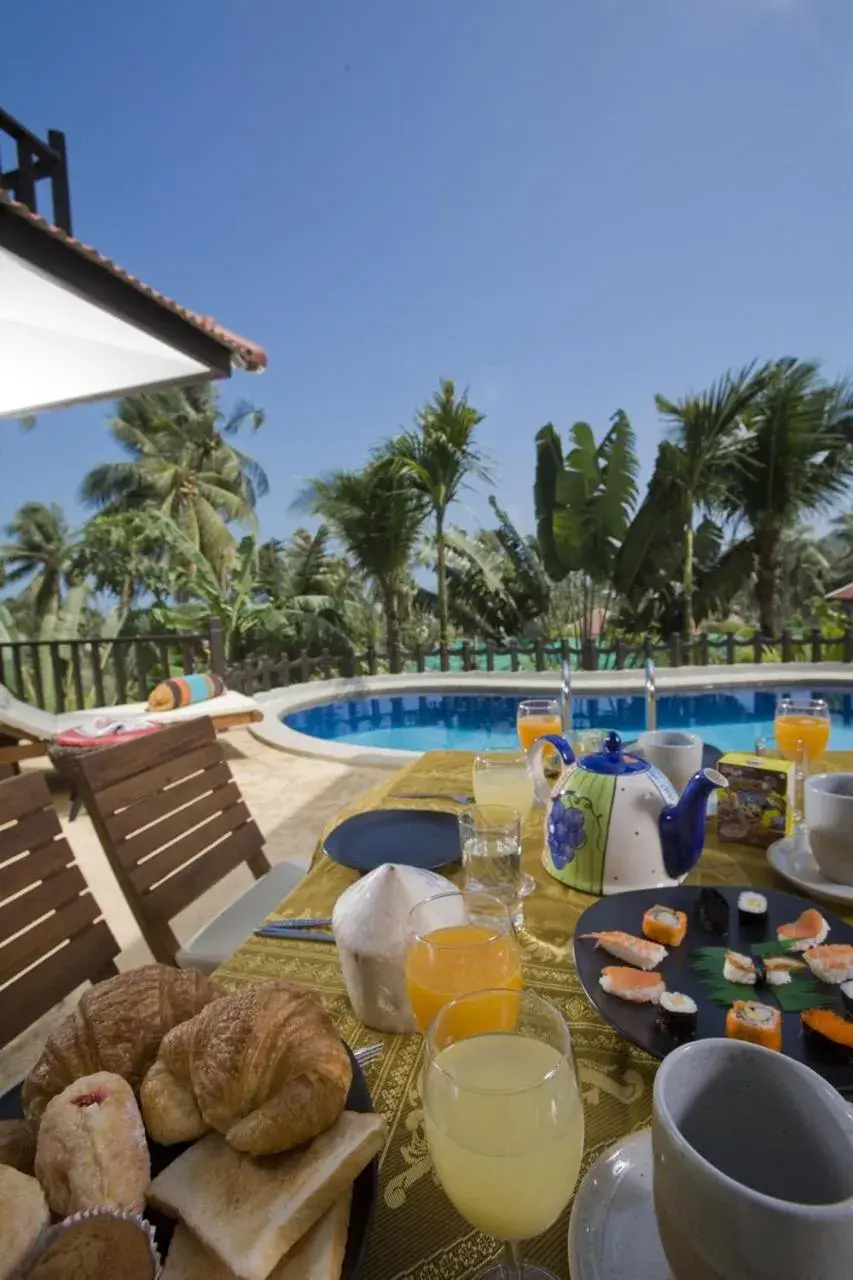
392 625
766 583
687 622
442 578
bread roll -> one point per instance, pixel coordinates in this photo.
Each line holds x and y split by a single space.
264 1067
117 1027
91 1151
23 1216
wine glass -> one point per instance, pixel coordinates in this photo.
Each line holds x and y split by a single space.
802 727
535 717
456 943
504 1121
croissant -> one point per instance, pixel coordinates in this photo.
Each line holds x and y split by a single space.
265 1067
117 1027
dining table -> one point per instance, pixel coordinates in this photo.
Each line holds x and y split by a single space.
416 1231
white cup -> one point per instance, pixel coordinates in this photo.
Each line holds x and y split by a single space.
829 823
676 754
753 1166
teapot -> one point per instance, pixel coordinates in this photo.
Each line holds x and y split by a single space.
614 822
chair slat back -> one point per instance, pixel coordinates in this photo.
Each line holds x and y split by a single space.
52 933
172 822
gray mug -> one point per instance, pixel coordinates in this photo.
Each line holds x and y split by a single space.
829 823
753 1166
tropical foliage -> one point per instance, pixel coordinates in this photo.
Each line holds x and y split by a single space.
722 535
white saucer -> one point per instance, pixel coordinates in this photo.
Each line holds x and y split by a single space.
793 860
613 1234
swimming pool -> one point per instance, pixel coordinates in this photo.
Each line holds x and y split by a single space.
730 720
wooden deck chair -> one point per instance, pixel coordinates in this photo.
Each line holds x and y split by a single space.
172 822
52 934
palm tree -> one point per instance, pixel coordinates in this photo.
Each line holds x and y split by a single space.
703 453
182 461
437 457
377 517
794 459
39 552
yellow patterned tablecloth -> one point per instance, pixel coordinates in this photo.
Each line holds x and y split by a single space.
416 1231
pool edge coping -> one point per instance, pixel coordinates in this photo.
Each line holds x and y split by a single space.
278 702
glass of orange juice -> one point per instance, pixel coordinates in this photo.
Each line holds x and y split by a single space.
802 730
457 943
536 717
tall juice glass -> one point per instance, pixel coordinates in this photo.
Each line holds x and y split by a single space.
536 717
504 1121
457 943
504 780
802 728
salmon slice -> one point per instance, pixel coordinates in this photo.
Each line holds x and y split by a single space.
632 984
809 930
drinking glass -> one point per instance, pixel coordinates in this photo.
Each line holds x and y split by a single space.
504 1121
456 943
536 717
802 728
490 840
504 780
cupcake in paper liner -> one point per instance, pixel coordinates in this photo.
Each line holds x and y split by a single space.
95 1243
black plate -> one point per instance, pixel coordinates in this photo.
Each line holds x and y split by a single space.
638 1022
364 1192
414 837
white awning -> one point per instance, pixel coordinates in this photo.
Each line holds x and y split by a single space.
58 346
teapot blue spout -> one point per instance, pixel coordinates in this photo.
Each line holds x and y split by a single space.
682 825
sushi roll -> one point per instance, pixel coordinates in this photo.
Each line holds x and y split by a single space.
847 995
677 1014
756 1023
809 930
752 909
634 951
713 911
632 984
832 963
662 924
828 1030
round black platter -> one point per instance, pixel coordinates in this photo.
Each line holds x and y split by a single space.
638 1022
414 837
364 1192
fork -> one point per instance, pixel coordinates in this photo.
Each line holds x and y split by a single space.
430 795
370 1053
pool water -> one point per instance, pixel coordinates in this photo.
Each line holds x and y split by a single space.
467 722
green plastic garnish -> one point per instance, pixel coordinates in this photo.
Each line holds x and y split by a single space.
802 992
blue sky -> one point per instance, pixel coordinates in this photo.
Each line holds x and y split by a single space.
565 206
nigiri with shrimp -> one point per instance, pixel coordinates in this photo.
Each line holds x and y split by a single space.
634 985
638 952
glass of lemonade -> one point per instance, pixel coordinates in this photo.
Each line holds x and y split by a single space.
504 780
457 943
504 1122
536 717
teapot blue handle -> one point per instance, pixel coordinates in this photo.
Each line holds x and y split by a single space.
541 785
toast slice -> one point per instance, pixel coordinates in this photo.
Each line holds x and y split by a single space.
250 1212
319 1255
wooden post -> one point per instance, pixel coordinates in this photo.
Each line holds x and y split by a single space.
675 650
187 657
443 658
848 644
77 674
513 655
730 649
648 649
785 643
217 647
266 674
97 673
326 664
757 647
141 669
466 656
304 667
19 672
490 655
371 659
621 649
285 671
39 683
118 664
540 655
419 657
703 649
58 682
817 642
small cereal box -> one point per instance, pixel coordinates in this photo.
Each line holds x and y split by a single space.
758 807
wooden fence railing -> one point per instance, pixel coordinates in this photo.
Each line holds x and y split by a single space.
68 675
256 675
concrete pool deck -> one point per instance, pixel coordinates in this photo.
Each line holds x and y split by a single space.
281 702
290 797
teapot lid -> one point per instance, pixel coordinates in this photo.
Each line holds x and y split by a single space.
612 759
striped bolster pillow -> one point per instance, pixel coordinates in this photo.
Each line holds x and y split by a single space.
183 691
